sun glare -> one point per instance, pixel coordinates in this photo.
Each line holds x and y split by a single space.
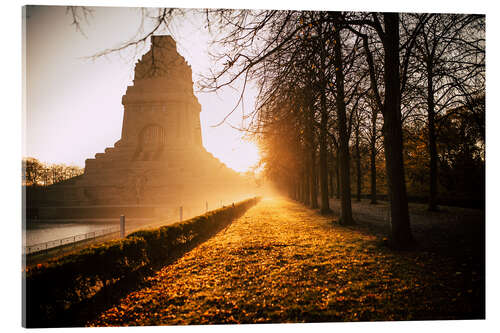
240 156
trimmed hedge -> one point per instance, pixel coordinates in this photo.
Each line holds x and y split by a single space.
56 288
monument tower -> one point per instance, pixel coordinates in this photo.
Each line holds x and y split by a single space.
160 109
159 159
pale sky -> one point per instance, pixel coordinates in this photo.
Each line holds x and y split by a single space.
74 109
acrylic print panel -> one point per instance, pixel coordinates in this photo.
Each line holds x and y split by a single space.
228 166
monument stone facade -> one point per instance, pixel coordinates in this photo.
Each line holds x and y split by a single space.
159 159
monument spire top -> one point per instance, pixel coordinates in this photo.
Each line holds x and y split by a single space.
162 60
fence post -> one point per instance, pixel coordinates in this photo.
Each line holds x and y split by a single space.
206 206
122 226
180 214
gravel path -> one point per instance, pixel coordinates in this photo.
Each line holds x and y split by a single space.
450 231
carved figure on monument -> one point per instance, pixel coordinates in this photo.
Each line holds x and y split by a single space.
140 182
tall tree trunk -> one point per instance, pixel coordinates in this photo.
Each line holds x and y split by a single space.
306 178
358 165
401 236
303 188
323 167
323 128
313 188
305 171
432 140
332 184
345 179
337 172
373 157
314 181
296 189
373 170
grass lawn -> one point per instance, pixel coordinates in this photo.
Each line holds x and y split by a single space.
281 262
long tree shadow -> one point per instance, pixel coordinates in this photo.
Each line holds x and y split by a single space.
79 314
456 237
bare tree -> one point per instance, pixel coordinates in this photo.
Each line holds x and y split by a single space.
450 52
395 79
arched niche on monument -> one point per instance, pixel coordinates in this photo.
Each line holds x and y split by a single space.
151 143
152 135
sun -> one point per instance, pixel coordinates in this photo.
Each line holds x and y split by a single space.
238 154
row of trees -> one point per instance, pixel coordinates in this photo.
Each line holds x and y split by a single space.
338 85
338 89
36 173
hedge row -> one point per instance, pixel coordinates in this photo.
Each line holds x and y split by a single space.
54 288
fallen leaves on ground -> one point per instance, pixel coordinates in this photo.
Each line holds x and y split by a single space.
283 263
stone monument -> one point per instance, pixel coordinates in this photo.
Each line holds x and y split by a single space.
159 160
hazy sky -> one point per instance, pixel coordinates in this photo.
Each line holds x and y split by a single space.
74 105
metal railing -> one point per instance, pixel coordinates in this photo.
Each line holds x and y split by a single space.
41 247
31 249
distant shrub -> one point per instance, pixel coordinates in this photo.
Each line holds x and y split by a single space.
54 288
